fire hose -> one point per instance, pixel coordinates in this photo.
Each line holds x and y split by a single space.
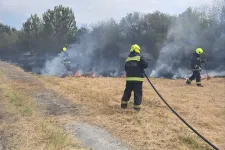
207 141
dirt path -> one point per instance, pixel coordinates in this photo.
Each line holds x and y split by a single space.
1 147
95 138
51 103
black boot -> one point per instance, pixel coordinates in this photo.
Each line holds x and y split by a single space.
188 81
137 108
123 104
199 85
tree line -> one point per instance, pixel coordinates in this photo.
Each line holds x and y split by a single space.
57 28
39 35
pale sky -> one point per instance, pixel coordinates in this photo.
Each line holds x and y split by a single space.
15 12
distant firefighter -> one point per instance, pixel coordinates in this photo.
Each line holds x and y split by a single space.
65 52
134 67
196 67
66 59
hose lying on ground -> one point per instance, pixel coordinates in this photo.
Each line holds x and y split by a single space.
179 115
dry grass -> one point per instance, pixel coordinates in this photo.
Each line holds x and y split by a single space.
22 126
155 127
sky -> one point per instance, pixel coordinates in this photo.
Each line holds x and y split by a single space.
16 12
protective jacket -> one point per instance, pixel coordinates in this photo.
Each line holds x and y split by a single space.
196 61
134 67
66 57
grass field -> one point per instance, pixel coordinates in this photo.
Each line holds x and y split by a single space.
22 125
154 127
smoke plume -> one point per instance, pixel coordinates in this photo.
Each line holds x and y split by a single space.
187 34
103 49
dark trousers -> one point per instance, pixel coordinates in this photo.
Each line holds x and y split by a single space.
136 87
68 67
196 75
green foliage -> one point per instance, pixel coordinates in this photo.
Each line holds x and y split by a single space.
59 26
56 28
8 39
30 35
4 28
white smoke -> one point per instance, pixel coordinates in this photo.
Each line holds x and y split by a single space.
80 56
183 38
86 55
54 67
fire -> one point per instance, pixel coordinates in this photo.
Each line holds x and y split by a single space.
77 74
206 78
93 75
85 75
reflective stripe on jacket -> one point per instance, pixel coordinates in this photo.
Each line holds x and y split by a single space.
134 67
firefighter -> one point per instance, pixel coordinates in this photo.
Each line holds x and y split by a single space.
196 67
65 53
66 59
134 67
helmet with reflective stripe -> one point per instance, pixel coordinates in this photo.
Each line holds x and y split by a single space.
135 48
199 51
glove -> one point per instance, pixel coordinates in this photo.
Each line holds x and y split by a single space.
198 67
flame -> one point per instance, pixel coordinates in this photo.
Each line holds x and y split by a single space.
212 77
77 74
205 77
93 75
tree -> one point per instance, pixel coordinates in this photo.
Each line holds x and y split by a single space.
30 36
59 26
8 39
154 27
4 28
130 28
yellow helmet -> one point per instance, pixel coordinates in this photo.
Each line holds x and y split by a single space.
199 51
135 48
64 49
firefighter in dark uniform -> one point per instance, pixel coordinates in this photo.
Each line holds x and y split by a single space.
196 67
134 67
65 52
66 59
